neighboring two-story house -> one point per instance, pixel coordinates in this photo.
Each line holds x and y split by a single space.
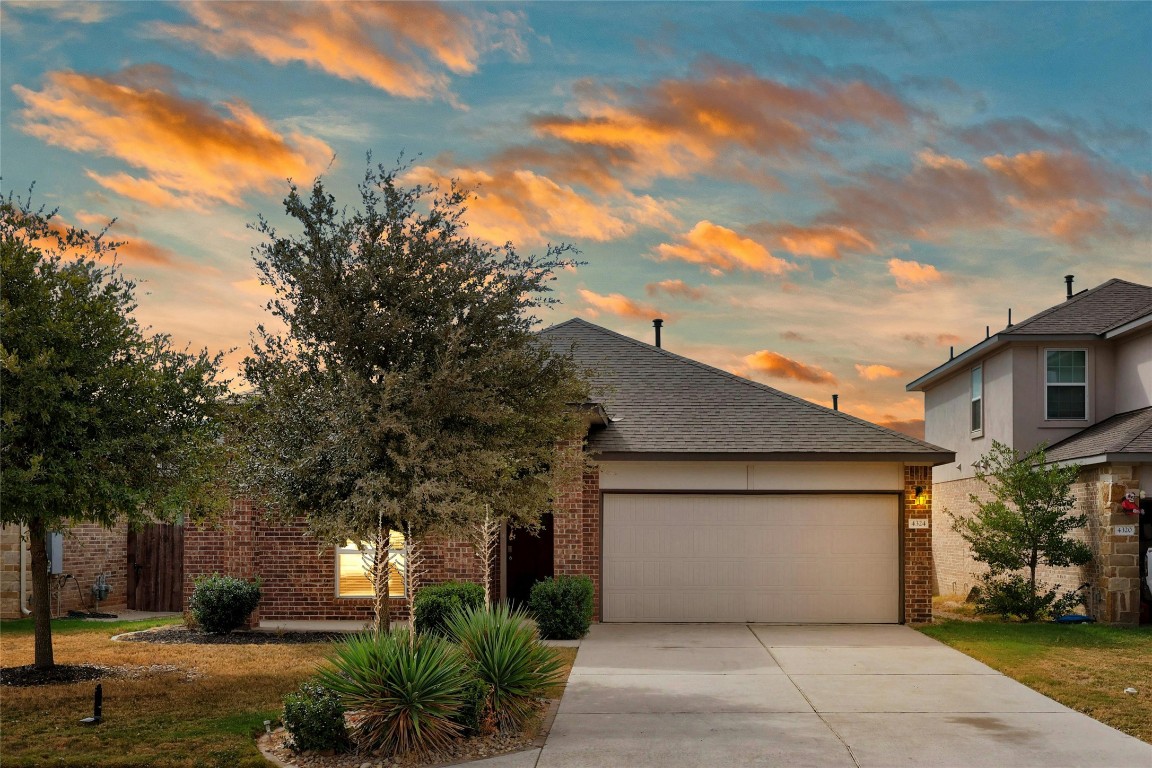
1078 378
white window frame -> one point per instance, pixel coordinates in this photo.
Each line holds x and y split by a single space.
976 379
363 551
1048 385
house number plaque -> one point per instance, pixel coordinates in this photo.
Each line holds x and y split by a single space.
918 522
1125 530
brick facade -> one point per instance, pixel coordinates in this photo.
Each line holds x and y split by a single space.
917 545
1113 575
576 533
298 576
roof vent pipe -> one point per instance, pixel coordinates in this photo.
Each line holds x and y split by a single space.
951 352
657 324
1009 317
1068 282
835 402
987 331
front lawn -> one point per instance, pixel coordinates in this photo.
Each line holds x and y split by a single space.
201 712
1082 666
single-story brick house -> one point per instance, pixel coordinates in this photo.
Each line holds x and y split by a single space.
713 499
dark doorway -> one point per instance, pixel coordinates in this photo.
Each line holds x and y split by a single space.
156 568
528 559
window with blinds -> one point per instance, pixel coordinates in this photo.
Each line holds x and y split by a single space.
354 562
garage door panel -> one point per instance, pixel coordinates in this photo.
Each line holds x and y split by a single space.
701 557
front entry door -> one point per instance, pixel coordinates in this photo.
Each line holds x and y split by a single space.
528 560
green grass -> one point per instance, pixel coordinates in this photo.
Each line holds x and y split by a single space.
1083 666
205 714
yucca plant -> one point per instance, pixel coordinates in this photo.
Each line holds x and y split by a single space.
405 692
504 651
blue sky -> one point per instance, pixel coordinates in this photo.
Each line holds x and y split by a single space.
822 197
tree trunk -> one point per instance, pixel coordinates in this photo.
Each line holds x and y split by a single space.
41 595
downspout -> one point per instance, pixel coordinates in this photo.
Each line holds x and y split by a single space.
23 572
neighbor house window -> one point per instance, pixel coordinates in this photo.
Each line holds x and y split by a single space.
977 417
1066 390
354 563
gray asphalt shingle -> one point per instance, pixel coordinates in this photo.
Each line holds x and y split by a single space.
1129 432
1096 311
661 402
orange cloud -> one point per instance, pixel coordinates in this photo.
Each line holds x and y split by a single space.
913 274
823 242
677 127
911 427
192 155
619 304
526 208
780 367
875 372
1043 175
720 250
399 48
676 288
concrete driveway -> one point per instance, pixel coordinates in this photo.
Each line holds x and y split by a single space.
696 695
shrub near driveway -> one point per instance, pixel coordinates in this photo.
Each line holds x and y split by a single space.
1082 666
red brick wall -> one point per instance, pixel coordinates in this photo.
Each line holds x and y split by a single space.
298 577
576 530
91 550
917 545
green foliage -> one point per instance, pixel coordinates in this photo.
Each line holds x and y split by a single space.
1025 524
314 718
562 606
1012 595
504 652
101 421
475 715
221 604
436 602
406 690
408 389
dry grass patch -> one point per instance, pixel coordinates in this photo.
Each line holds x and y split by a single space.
1083 666
203 712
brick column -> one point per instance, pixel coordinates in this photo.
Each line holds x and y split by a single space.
917 570
576 528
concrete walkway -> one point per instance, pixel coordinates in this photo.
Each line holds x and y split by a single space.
694 695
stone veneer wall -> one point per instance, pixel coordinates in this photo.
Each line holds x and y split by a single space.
10 546
1113 574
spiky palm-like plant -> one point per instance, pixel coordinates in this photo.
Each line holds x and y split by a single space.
504 651
405 691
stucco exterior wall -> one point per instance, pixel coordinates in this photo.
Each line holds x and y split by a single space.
1133 372
948 409
1030 426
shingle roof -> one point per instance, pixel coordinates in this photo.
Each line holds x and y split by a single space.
1124 433
663 403
1096 311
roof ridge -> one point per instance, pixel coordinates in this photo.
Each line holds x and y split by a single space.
755 384
1074 299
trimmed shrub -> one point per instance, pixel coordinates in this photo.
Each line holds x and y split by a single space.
406 690
314 718
221 604
562 606
503 650
435 603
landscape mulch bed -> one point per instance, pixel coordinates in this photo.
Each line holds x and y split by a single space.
62 674
275 746
176 635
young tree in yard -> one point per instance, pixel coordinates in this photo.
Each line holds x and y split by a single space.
404 386
102 422
1025 525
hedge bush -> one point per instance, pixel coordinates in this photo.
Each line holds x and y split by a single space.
221 604
314 718
562 606
434 604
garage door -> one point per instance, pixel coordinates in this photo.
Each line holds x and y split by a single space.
774 558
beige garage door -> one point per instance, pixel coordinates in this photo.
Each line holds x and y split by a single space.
786 558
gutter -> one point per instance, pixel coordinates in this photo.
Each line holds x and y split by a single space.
23 573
